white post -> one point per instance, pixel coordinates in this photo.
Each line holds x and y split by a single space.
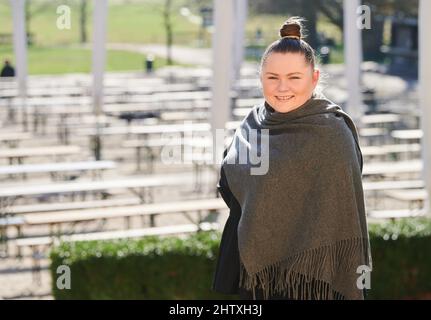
222 49
425 93
240 19
99 57
20 51
353 59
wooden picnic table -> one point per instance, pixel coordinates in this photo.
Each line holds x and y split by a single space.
48 92
392 167
150 129
408 134
118 89
396 213
58 167
415 197
20 153
376 187
151 209
392 185
35 243
373 135
392 150
138 185
153 145
12 138
380 119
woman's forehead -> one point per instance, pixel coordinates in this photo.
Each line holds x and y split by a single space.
285 63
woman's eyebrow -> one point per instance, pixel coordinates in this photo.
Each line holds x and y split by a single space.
289 74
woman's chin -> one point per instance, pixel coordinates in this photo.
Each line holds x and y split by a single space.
284 107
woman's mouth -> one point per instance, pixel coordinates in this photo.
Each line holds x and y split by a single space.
284 98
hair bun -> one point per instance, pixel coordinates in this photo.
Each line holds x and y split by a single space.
292 27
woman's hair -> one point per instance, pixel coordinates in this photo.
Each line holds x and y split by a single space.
291 33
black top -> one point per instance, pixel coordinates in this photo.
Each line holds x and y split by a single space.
226 276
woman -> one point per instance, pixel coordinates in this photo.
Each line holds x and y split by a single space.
297 231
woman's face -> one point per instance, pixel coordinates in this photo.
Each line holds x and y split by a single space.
287 80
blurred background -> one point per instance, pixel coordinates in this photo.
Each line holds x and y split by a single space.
108 172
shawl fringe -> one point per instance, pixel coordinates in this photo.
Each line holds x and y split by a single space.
304 276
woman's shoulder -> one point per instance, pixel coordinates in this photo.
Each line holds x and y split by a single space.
252 114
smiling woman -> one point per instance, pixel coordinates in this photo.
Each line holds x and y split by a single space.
298 230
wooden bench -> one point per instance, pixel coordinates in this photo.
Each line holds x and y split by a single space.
135 183
119 234
392 185
64 206
57 218
177 116
20 153
391 167
408 134
155 144
394 214
374 187
39 245
373 135
380 119
247 103
415 197
56 168
5 223
392 150
11 139
146 130
139 186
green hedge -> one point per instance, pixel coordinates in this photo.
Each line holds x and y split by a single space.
148 268
401 253
182 268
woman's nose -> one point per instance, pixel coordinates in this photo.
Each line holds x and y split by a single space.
283 85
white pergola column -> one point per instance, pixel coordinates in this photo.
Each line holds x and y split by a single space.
100 13
353 59
425 93
222 49
20 52
240 19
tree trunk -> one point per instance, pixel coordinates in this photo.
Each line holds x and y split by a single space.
83 21
27 21
311 22
168 27
372 40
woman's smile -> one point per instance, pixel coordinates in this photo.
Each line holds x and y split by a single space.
284 98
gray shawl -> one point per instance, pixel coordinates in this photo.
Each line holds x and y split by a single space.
303 212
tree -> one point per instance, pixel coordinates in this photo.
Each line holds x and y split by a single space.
302 8
372 39
83 21
32 10
167 22
333 11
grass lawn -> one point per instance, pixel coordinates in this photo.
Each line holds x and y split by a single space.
131 22
58 60
137 22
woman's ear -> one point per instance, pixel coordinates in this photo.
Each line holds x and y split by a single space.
316 76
